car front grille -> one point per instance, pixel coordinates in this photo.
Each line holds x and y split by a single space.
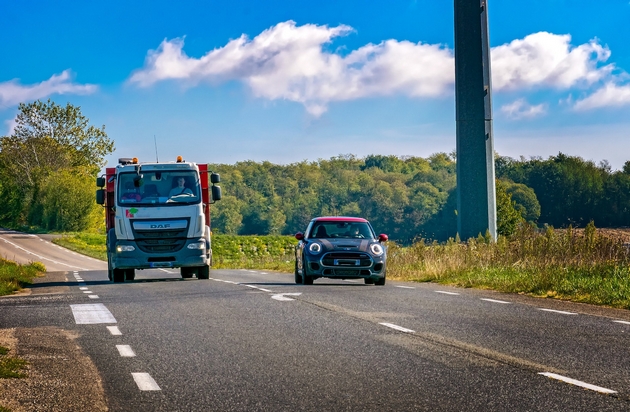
347 260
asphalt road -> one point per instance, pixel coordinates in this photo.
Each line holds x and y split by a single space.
254 341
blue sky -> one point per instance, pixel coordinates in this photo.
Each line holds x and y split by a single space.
286 81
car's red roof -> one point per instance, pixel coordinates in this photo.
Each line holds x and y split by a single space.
339 219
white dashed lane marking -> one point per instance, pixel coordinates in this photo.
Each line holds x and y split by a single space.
145 382
495 301
558 311
446 293
114 330
92 313
622 321
576 382
396 327
125 351
405 287
93 296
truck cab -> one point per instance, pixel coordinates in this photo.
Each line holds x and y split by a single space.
158 216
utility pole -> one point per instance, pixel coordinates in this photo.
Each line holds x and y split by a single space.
476 198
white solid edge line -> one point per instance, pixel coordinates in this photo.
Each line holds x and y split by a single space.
576 382
446 293
404 287
114 330
398 328
145 382
125 351
557 311
495 301
622 321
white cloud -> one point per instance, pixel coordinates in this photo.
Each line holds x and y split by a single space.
12 92
546 59
609 95
288 62
291 62
520 109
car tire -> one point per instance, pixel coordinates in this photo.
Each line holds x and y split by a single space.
186 273
306 279
369 281
298 277
203 272
380 282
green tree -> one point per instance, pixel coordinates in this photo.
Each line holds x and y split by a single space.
508 217
48 139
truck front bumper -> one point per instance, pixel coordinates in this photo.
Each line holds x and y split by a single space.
127 255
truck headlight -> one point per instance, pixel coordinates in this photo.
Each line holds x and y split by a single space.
376 249
197 245
125 248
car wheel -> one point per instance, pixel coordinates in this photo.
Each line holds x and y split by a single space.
380 282
203 272
186 273
369 281
306 279
298 277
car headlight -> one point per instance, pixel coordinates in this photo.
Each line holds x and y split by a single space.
125 248
197 245
376 249
315 248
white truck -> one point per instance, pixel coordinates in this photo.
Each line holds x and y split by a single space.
157 215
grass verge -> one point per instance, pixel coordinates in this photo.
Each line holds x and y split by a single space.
14 277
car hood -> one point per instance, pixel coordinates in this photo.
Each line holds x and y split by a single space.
345 244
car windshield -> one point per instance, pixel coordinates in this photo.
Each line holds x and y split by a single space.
158 187
348 230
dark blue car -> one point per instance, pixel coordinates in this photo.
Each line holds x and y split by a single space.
341 248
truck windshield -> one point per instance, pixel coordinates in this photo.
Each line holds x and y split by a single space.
159 187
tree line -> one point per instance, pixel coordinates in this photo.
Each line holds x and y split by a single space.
49 163
413 197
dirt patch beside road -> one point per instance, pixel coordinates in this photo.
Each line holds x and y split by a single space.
60 377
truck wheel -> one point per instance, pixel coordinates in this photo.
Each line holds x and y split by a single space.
110 271
187 273
130 274
203 272
118 275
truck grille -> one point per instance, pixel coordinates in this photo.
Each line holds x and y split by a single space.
162 240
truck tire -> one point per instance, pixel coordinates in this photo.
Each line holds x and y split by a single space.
110 270
130 274
118 275
203 272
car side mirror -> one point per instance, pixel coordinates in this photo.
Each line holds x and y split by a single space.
383 237
299 236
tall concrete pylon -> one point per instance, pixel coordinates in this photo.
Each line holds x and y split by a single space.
476 197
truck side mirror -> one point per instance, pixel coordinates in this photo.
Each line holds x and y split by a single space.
216 193
100 181
215 178
100 196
